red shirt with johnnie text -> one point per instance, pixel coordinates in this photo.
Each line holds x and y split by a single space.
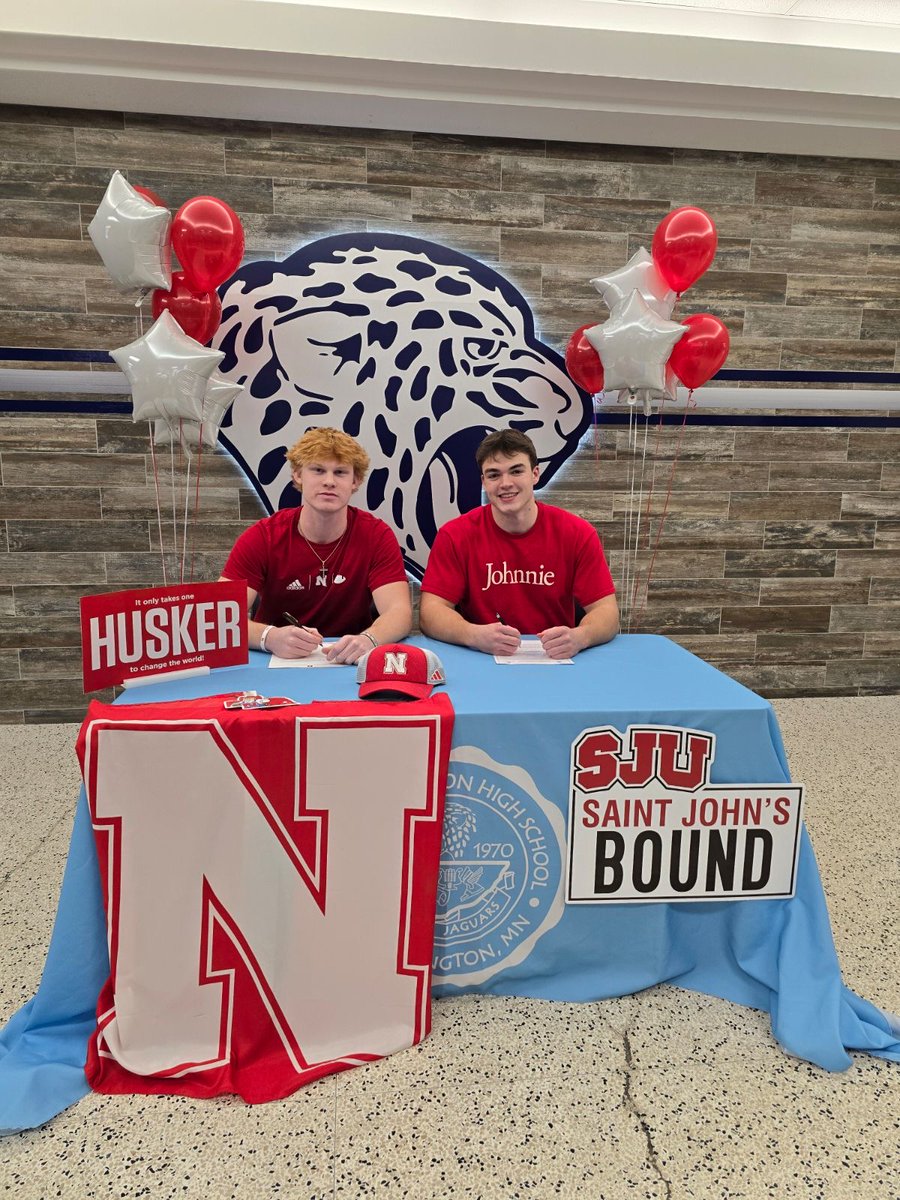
531 580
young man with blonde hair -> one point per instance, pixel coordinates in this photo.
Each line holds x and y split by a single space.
517 566
326 564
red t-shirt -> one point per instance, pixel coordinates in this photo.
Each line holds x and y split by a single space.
531 580
276 562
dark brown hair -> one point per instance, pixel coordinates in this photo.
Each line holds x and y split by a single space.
506 442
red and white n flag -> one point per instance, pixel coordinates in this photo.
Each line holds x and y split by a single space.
270 889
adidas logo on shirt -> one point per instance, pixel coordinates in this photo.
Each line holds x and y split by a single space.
295 586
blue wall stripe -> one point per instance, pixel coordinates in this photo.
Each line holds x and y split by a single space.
762 421
695 418
809 376
73 407
43 354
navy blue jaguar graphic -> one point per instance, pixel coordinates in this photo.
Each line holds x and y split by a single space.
411 347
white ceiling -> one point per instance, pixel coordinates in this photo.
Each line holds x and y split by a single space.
792 76
873 12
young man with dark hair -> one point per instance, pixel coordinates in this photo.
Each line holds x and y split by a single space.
517 566
326 564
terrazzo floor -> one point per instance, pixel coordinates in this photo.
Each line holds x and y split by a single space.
666 1095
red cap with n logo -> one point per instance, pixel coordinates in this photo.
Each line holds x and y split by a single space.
400 670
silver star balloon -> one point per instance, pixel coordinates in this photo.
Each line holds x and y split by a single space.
220 394
669 391
132 236
638 275
168 372
634 345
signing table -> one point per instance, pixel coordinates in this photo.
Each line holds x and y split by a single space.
503 926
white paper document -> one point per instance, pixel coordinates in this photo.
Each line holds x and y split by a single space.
316 659
530 653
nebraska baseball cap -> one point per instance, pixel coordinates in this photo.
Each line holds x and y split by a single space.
399 669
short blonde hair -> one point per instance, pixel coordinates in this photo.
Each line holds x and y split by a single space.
317 445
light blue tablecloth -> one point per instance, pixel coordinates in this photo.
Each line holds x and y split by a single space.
510 767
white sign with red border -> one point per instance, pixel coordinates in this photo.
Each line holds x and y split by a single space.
645 824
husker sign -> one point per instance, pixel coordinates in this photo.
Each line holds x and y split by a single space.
645 823
129 635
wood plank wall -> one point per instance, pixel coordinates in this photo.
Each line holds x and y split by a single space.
780 557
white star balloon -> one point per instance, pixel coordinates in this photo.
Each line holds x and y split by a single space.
634 345
168 372
638 275
220 394
669 391
132 236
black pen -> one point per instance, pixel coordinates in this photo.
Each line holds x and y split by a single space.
291 620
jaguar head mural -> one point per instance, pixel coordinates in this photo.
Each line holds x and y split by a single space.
415 349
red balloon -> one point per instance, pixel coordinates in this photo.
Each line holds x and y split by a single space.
583 362
683 247
699 353
198 313
208 238
149 195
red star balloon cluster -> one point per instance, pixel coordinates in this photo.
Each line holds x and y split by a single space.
135 234
174 381
640 350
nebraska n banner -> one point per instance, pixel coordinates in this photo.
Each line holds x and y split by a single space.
270 882
645 823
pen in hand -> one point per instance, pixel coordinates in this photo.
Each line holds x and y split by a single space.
502 642
292 620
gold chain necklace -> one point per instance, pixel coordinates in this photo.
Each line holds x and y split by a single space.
322 575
